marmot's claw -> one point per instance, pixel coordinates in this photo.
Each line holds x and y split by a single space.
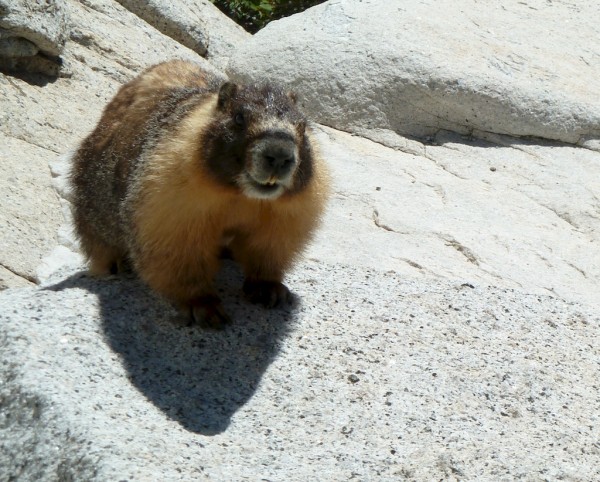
267 293
208 312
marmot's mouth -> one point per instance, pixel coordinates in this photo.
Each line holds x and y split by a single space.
269 189
269 185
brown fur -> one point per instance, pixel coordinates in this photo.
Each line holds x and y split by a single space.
151 187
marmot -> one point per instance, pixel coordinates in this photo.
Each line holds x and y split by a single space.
183 163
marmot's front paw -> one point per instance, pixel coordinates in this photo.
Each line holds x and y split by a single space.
267 293
208 312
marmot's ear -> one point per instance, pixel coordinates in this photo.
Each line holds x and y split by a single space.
226 93
293 96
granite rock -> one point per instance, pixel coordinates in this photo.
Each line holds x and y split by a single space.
45 23
499 210
372 376
9 279
29 208
446 323
197 24
415 67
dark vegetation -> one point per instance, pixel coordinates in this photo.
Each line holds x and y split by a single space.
255 14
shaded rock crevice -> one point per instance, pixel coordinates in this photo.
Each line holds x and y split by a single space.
462 249
33 36
25 276
379 224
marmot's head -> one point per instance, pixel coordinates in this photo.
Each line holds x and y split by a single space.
258 143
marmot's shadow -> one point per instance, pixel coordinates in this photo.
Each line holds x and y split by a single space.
197 377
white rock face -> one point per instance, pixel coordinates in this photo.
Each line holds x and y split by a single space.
29 209
502 211
197 24
373 377
417 66
9 279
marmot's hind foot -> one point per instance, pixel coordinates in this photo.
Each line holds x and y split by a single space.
207 311
120 266
267 293
104 259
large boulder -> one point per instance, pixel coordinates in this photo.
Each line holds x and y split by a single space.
197 24
377 370
414 67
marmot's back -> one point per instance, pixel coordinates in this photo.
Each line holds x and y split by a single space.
182 161
128 124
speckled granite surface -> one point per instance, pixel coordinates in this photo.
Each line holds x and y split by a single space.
371 376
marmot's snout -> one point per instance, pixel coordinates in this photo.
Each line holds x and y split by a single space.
274 157
273 162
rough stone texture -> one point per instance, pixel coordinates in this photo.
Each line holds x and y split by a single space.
8 279
40 120
197 24
503 211
32 35
372 377
414 67
29 207
43 22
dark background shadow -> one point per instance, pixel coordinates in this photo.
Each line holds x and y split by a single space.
197 377
38 70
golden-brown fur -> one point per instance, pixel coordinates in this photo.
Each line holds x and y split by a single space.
145 191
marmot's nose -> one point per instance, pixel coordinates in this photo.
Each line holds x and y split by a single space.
279 157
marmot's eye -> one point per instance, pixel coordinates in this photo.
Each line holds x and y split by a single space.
239 119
